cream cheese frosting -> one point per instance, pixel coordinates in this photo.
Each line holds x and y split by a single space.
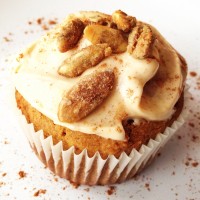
144 89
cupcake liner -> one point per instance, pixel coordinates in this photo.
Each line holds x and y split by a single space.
82 169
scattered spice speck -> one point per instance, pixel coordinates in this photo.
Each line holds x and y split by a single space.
147 186
4 174
6 142
64 188
193 74
39 20
74 185
6 39
111 190
87 189
45 27
179 137
40 191
56 179
173 173
21 174
191 124
195 138
195 164
1 183
52 22
187 163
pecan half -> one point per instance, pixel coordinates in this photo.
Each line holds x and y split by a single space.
123 21
99 34
140 41
70 34
85 96
84 59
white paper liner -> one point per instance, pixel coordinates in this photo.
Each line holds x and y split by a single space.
91 171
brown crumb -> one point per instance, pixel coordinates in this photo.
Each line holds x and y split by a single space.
40 191
193 74
147 186
173 173
195 164
75 185
30 23
111 190
22 174
4 174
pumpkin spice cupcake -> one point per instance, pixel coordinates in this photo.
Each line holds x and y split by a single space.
101 94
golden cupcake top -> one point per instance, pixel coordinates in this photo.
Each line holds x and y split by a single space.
95 70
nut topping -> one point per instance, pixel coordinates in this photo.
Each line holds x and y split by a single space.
99 34
94 17
140 41
85 96
70 34
84 59
123 21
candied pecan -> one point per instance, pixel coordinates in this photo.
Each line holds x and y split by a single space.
99 34
70 34
85 96
123 21
84 59
140 41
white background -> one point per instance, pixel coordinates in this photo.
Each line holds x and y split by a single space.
168 176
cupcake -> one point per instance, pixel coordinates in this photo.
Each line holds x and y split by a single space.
100 95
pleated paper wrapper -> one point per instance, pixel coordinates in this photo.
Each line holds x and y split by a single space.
82 169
